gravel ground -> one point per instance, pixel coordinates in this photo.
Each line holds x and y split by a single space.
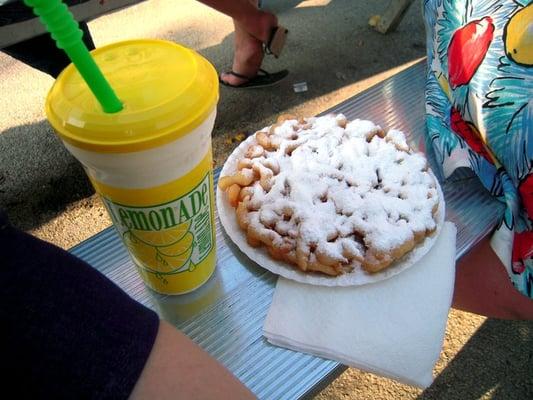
331 48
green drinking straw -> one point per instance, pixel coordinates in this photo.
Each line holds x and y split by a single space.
65 31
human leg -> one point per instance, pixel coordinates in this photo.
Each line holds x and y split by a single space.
42 53
482 286
254 29
247 58
247 15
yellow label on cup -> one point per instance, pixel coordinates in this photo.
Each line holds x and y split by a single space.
169 230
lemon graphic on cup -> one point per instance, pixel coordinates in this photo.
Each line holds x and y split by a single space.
164 251
163 237
518 35
143 252
176 255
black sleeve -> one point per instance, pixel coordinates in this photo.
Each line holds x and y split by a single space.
66 330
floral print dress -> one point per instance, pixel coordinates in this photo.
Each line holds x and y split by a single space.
479 106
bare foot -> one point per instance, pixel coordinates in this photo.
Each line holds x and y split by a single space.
250 34
247 59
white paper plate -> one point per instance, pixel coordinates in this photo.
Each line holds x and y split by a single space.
357 277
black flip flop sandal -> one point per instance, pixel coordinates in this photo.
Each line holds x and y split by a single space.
262 79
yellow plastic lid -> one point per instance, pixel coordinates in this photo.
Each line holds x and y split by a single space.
167 91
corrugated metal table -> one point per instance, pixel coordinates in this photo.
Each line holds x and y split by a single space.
225 316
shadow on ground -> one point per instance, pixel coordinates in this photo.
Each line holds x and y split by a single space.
492 361
30 195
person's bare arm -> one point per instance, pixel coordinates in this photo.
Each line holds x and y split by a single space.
178 369
482 286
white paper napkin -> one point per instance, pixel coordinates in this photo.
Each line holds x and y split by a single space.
394 328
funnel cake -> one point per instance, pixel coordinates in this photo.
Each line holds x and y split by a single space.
327 195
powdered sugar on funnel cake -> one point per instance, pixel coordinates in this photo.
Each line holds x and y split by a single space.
328 201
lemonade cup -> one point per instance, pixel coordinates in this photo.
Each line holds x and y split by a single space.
151 163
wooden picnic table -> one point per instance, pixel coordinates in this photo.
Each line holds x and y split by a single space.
225 316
